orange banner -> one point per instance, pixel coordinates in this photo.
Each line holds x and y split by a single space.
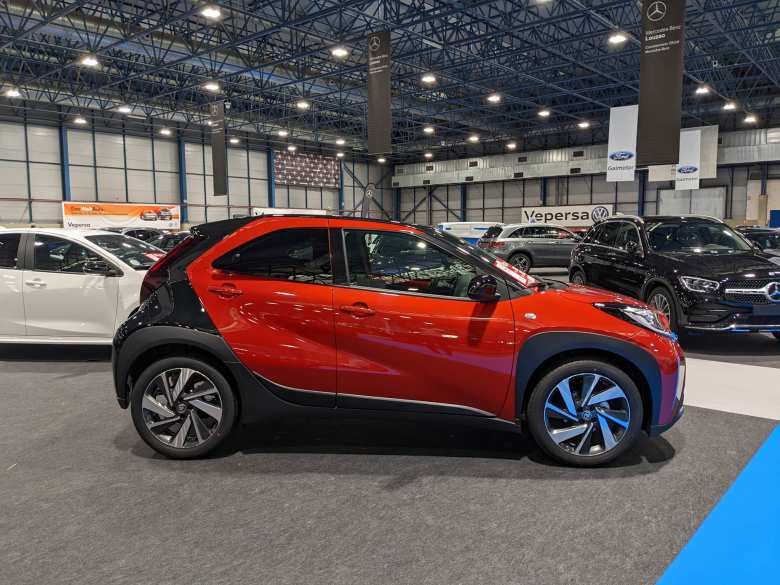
96 215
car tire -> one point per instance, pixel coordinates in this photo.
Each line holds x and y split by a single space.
660 298
585 434
203 405
521 261
578 277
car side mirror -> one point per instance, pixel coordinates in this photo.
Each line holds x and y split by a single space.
484 288
101 267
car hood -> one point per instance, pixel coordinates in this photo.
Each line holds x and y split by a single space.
584 294
719 266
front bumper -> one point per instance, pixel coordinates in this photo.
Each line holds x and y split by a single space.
656 430
704 313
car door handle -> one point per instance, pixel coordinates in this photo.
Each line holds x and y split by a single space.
226 291
35 283
357 310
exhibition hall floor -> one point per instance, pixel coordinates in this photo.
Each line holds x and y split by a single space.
85 501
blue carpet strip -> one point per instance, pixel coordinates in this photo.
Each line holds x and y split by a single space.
739 542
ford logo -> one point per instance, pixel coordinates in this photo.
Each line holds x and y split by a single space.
622 155
687 169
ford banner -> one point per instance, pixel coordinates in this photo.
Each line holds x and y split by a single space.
621 151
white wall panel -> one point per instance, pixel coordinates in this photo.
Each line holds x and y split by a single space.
82 183
47 212
493 194
166 155
139 153
80 150
297 197
167 187
330 199
110 150
258 191
13 211
196 215
14 177
140 186
43 144
195 189
12 141
111 184
45 181
239 192
193 157
217 213
207 154
258 164
237 165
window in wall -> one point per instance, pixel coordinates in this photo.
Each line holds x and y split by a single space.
302 255
9 250
404 262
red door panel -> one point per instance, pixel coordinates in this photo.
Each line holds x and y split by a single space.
425 349
282 330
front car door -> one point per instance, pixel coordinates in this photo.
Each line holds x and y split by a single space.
12 323
61 299
268 292
407 334
630 268
562 243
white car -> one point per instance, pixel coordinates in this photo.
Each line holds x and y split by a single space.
69 286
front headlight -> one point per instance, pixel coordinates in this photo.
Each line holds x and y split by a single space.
642 316
699 285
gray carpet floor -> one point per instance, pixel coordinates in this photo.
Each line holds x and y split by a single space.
83 500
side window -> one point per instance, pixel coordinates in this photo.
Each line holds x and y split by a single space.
558 233
302 255
626 236
53 254
519 233
9 250
535 232
607 233
403 262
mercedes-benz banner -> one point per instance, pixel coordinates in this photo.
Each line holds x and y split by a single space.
380 123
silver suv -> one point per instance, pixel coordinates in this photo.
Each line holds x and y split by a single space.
527 245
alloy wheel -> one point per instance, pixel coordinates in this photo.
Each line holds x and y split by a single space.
520 262
182 408
660 302
578 278
587 414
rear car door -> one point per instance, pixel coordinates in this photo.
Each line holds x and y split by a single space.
541 242
602 255
407 334
629 263
61 299
268 290
12 322
562 243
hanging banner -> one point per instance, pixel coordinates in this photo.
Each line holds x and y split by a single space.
218 148
660 82
380 123
96 216
621 151
567 215
688 170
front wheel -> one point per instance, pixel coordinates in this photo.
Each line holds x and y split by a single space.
660 298
578 277
585 413
182 407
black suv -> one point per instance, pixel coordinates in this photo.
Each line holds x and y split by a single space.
699 272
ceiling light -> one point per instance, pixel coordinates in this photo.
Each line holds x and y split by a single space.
428 155
302 105
543 113
584 124
165 131
511 145
381 160
494 98
340 141
428 129
617 38
234 140
702 90
12 92
339 52
729 106
340 154
282 133
211 86
292 148
125 109
89 61
212 12
473 138
79 120
428 78
750 119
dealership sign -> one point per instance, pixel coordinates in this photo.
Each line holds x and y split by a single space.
621 151
688 170
97 215
567 215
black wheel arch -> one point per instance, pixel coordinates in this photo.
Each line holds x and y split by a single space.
544 351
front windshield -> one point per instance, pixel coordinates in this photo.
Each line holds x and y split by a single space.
766 241
698 237
132 252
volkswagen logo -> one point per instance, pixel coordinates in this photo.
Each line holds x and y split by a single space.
622 155
599 213
656 11
772 292
687 169
374 43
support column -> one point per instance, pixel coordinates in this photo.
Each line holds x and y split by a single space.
544 191
182 179
271 178
463 202
642 192
64 163
341 187
397 204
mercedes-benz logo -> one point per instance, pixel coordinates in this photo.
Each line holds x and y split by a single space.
772 292
374 43
656 11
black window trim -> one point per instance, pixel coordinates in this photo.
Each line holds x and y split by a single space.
20 250
29 259
641 243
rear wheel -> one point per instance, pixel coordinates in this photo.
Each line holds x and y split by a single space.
521 261
661 299
585 413
183 407
578 277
